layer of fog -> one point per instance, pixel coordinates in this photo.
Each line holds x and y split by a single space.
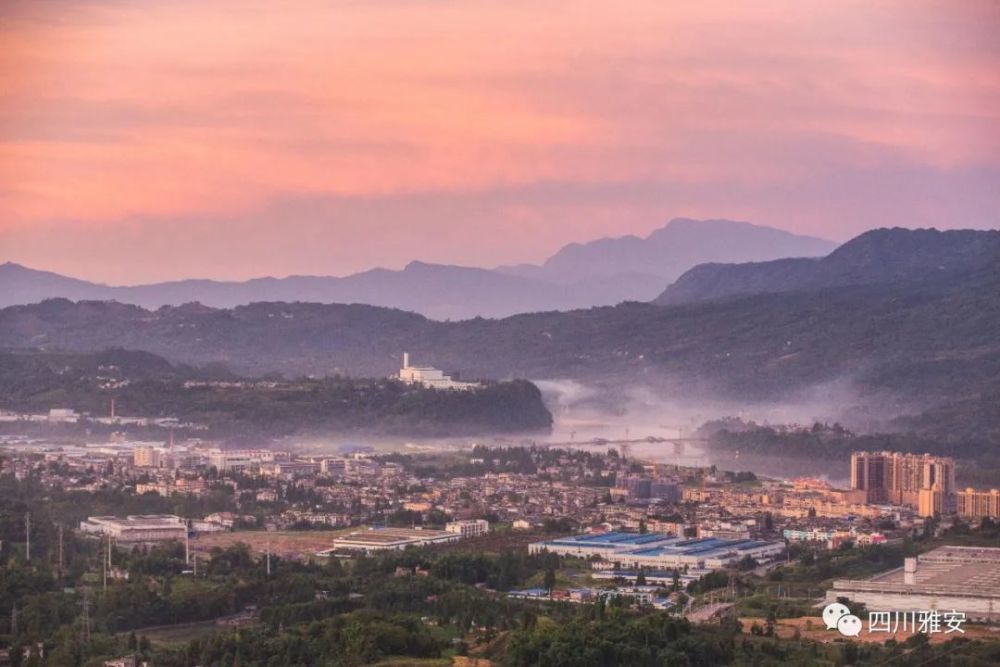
645 415
605 411
599 416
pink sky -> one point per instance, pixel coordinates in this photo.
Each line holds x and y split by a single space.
144 141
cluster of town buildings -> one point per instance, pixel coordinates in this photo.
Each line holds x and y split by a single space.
70 416
622 515
920 481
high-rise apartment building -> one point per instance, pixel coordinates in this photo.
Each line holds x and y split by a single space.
973 504
898 478
146 457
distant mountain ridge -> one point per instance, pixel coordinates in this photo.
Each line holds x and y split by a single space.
602 272
666 251
927 339
880 256
882 333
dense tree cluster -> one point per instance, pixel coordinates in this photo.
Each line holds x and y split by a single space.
36 381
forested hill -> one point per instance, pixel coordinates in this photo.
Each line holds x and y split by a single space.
930 340
146 385
905 348
878 257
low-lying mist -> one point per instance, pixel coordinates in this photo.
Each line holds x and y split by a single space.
678 409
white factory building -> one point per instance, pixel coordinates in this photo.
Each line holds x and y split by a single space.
391 539
469 527
427 376
946 579
137 529
239 460
661 550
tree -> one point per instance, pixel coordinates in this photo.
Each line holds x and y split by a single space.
550 580
640 580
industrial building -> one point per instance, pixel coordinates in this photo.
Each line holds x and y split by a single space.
605 545
430 377
659 550
289 470
469 527
137 529
392 539
240 460
961 579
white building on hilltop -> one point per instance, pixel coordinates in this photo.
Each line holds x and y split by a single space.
430 377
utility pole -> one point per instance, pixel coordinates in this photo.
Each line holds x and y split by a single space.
60 550
27 535
104 567
85 621
269 556
13 620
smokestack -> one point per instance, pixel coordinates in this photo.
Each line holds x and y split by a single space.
406 360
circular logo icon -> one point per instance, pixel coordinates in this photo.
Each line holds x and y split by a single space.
849 626
832 613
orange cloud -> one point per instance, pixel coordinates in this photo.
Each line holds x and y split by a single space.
193 112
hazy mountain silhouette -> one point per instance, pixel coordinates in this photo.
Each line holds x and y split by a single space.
880 256
928 338
908 319
669 251
603 272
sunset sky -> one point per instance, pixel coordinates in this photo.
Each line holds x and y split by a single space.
144 141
